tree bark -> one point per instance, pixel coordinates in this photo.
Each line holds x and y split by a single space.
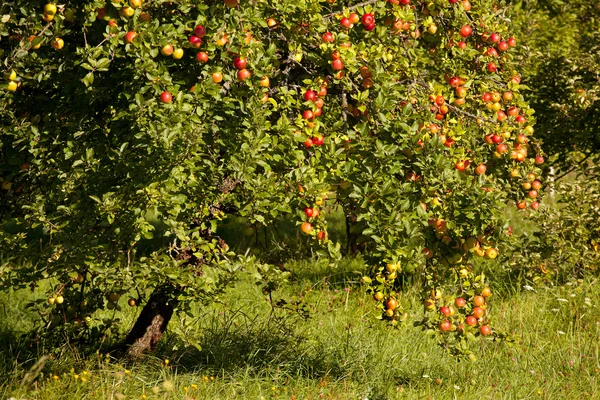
152 322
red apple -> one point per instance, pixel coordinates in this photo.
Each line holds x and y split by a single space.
466 31
240 63
199 31
166 97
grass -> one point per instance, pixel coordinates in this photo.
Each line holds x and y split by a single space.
246 350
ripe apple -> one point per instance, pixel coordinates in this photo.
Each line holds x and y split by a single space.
512 42
132 302
486 292
306 228
50 9
167 50
59 299
337 64
51 300
177 54
195 41
199 31
478 301
391 303
240 63
462 45
243 74
130 36
491 253
494 38
308 143
485 330
265 81
466 5
445 326
535 205
319 139
521 205
346 23
500 116
491 67
308 115
481 168
478 312
378 296
466 31
460 302
367 19
127 11
328 37
471 320
501 148
202 57
445 311
308 212
310 95
502 46
539 160
354 18
217 77
166 97
57 43
135 3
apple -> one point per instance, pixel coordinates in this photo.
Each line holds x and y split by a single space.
500 116
306 228
265 81
491 67
132 302
222 41
378 296
497 139
532 194
478 301
328 37
439 100
539 160
487 97
127 11
308 212
135 3
481 168
486 292
271 23
167 50
461 92
59 299
202 57
319 139
337 64
485 330
369 27
231 3
57 44
354 18
536 185
462 45
308 143
199 31
521 205
466 5
445 311
51 300
130 36
478 312
145 17
166 97
217 77
466 31
535 205
308 115
445 326
502 46
391 303
512 112
491 253
346 23
243 74
501 148
471 320
240 63
367 19
310 95
195 41
494 38
512 42
177 54
460 302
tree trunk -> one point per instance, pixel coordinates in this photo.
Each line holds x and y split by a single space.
152 322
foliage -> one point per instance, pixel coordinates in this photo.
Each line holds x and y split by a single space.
560 57
133 130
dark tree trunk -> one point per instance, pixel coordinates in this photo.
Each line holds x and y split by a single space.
152 322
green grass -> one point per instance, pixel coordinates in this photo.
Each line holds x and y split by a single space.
339 351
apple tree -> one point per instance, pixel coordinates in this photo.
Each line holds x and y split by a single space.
131 129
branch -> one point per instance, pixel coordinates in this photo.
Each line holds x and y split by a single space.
366 3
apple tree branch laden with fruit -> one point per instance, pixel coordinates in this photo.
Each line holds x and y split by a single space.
142 125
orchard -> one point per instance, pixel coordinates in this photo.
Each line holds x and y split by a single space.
130 131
